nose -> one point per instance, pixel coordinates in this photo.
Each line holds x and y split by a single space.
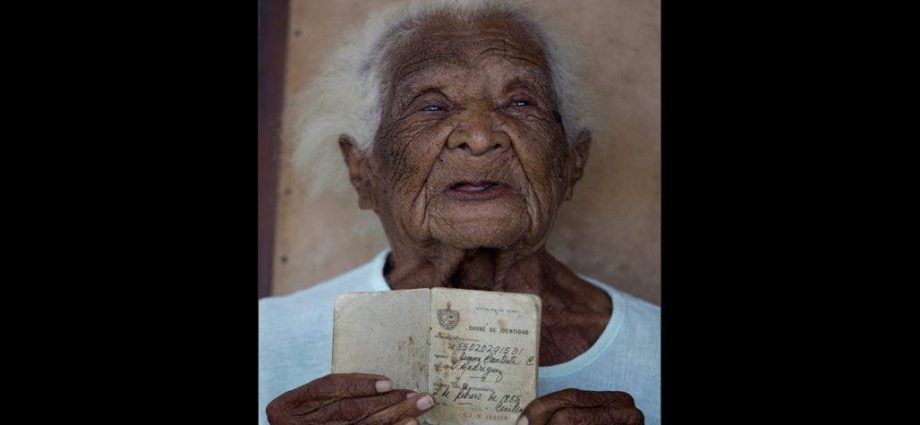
477 135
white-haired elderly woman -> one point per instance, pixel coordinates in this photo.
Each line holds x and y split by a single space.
461 129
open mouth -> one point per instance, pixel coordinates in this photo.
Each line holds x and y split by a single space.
478 190
476 187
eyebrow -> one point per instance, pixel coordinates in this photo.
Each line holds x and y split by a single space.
406 73
420 93
410 89
504 53
540 84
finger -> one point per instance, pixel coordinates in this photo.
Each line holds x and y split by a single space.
407 421
329 388
597 416
413 406
541 409
350 410
349 385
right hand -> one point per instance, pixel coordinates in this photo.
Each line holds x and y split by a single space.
349 398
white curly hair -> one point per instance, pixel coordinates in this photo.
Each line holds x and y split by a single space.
346 97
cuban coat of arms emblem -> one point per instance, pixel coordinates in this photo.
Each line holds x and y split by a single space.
448 318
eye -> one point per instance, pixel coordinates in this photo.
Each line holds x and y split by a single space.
433 108
520 102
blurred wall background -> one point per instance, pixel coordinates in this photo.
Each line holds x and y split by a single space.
610 230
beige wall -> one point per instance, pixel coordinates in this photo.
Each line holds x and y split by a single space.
610 230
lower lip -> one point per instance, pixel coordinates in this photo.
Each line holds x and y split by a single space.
487 194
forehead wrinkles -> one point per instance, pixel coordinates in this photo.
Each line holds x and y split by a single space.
499 43
420 56
440 43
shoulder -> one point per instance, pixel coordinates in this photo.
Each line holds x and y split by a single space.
639 310
641 320
636 323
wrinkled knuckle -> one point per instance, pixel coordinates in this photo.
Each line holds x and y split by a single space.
568 392
567 417
634 417
536 407
407 420
273 405
273 412
596 398
277 412
349 409
354 386
325 385
327 380
371 420
396 396
624 397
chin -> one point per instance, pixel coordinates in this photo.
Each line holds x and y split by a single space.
478 241
500 223
474 234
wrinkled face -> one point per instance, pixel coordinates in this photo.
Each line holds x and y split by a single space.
470 152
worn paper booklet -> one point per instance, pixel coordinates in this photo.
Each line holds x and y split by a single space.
474 351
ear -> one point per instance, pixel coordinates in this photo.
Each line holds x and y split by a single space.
579 152
358 170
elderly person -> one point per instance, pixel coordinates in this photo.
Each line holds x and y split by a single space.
465 137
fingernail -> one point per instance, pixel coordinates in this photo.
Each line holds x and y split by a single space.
383 386
523 420
424 403
410 394
413 422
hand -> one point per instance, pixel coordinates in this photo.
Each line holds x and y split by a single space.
349 398
571 406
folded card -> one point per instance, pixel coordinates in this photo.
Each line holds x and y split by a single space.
476 352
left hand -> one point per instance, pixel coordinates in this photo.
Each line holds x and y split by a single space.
572 406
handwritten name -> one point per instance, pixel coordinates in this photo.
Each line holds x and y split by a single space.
509 403
467 362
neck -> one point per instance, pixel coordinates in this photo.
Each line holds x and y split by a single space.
484 269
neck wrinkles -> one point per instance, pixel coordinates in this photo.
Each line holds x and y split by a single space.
479 269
